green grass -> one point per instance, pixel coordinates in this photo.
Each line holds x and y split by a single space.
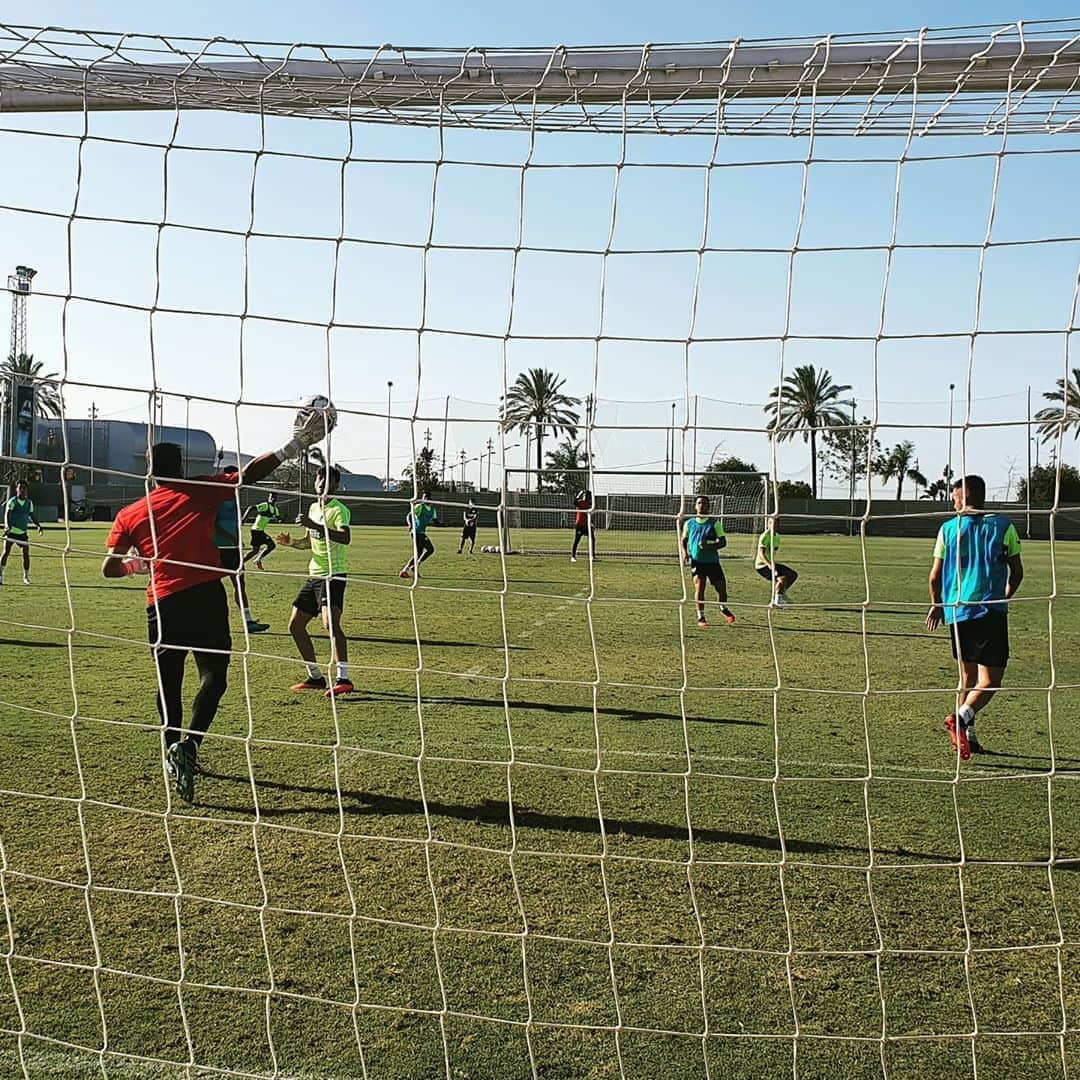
511 854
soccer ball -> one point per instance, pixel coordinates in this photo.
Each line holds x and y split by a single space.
486 549
316 410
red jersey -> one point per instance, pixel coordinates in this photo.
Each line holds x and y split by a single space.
581 518
181 543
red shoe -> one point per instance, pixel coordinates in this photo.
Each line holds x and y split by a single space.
729 617
258 564
342 686
958 737
405 574
703 623
311 684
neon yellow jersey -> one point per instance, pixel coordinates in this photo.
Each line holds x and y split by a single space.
768 542
328 558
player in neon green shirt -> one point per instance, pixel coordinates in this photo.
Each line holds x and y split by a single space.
18 513
765 563
262 543
328 536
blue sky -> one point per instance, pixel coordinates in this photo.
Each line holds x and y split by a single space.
944 198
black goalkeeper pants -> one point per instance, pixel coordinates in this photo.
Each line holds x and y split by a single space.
194 620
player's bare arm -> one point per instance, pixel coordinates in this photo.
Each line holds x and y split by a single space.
936 614
1016 575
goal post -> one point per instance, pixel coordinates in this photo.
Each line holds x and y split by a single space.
633 512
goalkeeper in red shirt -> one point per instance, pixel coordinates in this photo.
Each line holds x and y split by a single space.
583 526
187 609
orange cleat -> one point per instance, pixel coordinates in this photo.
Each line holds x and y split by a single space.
958 737
342 686
311 684
729 617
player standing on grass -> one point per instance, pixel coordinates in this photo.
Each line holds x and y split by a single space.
976 568
18 513
262 543
781 575
583 525
422 515
227 541
468 528
328 536
702 538
187 609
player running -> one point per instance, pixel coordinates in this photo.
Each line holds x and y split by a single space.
18 514
468 528
328 536
976 568
702 538
262 543
187 609
765 563
422 515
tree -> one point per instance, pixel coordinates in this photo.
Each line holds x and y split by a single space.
535 404
715 481
567 467
1066 413
1044 485
844 449
24 368
939 490
804 402
423 471
793 489
899 464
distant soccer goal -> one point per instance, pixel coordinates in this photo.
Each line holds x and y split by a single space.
634 513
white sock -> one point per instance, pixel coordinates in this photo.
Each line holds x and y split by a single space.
966 715
342 670
248 617
314 671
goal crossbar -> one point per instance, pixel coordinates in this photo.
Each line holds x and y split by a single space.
53 71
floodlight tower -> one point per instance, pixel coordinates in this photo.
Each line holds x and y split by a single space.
19 286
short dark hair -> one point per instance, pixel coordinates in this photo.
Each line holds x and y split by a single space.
166 460
974 489
332 472
230 469
21 481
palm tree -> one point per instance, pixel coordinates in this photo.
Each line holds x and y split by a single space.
25 369
567 466
536 404
899 462
805 401
1067 394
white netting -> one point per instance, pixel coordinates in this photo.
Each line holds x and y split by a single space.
558 830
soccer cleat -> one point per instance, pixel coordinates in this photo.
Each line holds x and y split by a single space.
958 737
259 565
182 756
703 623
256 627
26 579
311 684
1 575
573 558
729 617
405 574
342 686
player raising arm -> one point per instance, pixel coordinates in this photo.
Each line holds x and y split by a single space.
187 610
976 569
262 543
468 528
702 538
18 514
421 516
328 536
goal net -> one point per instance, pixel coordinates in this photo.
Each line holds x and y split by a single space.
573 820
639 513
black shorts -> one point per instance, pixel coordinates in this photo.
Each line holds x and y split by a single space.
582 530
423 545
261 539
468 532
982 641
22 539
781 571
195 618
231 559
712 572
312 597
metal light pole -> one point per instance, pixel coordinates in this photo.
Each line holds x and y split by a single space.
948 464
389 391
490 454
1028 485
462 470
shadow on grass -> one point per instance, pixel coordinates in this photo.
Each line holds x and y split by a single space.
497 812
540 706
49 644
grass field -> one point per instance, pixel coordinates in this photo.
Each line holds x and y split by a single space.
570 836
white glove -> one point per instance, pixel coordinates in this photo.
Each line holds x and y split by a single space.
312 425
